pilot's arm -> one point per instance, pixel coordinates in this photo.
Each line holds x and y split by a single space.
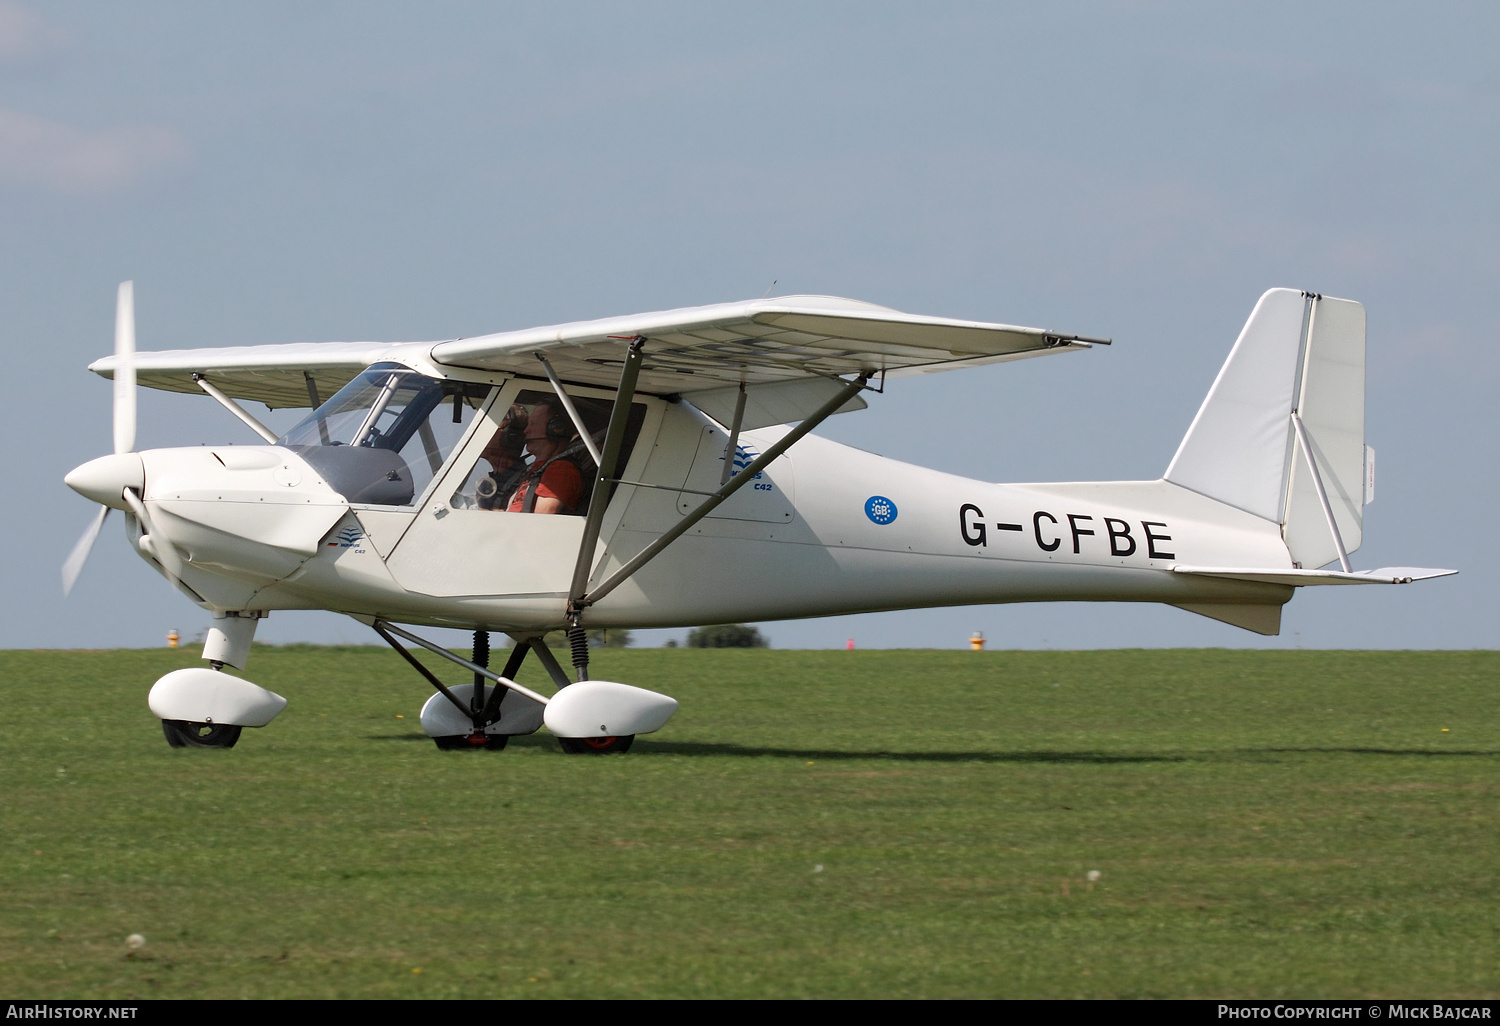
503 454
504 450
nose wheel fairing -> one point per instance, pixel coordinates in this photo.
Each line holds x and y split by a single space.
200 695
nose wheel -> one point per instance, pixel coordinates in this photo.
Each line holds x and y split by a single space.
182 734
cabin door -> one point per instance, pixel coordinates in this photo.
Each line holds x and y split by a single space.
507 519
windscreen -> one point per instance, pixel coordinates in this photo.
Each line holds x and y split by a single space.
381 438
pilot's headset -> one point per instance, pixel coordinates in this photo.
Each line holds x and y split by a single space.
513 431
559 427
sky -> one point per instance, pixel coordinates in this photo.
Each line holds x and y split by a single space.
290 172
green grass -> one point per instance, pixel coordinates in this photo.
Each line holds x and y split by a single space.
1266 824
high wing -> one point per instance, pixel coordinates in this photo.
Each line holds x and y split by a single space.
692 350
755 342
276 375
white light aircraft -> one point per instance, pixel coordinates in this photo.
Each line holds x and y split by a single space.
657 471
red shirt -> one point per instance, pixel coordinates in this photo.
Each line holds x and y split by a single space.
561 481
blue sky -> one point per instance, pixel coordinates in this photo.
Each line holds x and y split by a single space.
278 172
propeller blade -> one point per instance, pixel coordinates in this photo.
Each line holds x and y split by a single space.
125 368
73 565
161 546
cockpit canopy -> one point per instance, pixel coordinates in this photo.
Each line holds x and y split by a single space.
382 437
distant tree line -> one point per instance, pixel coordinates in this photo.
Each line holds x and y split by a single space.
726 635
723 635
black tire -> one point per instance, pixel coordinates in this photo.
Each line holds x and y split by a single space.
596 745
461 743
182 734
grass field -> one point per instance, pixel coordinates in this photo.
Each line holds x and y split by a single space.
921 824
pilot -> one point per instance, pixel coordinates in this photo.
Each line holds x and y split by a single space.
552 484
503 454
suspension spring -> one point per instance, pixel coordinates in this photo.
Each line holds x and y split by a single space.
578 641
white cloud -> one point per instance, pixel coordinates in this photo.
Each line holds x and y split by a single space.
24 33
61 158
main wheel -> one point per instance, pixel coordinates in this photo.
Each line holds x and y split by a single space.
596 745
182 734
466 742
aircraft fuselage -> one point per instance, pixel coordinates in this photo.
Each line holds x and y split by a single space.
825 529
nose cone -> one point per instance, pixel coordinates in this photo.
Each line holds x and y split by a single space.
104 480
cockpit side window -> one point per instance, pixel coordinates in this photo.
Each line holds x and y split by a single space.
536 461
383 437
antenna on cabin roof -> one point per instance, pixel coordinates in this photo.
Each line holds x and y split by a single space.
768 289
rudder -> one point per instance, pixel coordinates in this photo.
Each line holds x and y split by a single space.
1331 406
1300 356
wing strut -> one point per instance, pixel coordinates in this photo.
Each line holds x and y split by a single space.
734 435
317 402
236 409
708 505
605 475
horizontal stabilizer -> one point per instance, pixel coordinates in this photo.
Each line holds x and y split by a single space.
1298 578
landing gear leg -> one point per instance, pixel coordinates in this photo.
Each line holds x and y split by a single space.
578 640
491 710
476 708
478 703
450 714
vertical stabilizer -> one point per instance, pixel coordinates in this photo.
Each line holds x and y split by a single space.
1236 450
1300 357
